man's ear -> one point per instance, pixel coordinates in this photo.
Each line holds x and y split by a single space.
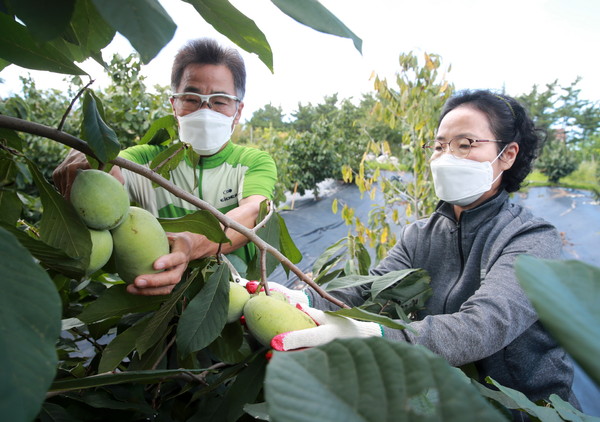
239 113
509 156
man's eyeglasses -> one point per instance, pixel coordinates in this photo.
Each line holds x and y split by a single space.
192 101
460 147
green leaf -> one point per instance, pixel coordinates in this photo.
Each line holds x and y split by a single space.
145 23
161 130
206 315
362 315
51 257
370 380
236 26
228 346
30 313
116 301
18 46
314 14
565 296
168 160
270 234
12 139
159 322
326 257
121 346
45 20
99 136
91 31
143 377
60 225
202 222
286 243
11 206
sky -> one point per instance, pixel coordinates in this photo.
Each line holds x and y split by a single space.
508 45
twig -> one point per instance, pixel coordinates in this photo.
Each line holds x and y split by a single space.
164 352
264 221
68 110
78 144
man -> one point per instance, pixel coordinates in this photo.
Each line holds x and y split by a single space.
208 82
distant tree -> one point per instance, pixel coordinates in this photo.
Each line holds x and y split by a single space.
268 116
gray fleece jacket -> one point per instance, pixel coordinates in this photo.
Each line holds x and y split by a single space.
478 312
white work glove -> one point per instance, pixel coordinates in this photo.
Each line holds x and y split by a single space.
330 327
293 296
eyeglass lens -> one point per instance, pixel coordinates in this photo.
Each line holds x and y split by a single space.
222 104
459 147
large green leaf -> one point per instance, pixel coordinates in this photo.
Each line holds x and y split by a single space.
116 301
11 206
45 20
18 46
60 226
99 136
370 380
50 257
145 23
286 243
120 346
565 295
30 313
236 26
161 129
202 222
158 324
206 315
90 30
314 14
144 377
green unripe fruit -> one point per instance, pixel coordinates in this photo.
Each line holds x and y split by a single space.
238 296
138 241
267 317
100 200
275 295
102 247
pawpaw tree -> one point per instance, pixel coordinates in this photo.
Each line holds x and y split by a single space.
76 346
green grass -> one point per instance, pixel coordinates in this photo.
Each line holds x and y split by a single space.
584 178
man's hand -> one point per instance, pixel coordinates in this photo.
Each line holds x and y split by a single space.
173 264
329 328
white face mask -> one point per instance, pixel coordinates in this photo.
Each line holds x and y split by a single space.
205 130
460 181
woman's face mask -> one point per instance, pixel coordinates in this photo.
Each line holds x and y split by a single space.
205 130
460 181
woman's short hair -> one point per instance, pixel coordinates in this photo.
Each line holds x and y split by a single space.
208 51
510 122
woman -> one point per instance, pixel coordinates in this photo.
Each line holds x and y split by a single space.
478 313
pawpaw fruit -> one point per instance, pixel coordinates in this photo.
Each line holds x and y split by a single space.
267 317
102 247
138 241
238 296
100 200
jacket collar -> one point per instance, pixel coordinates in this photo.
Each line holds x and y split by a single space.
475 216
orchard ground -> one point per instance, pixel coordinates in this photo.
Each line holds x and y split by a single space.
575 213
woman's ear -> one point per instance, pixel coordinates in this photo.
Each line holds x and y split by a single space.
508 156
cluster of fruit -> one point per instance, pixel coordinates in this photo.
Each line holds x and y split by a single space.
127 238
265 316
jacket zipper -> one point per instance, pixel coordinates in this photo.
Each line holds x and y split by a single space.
462 264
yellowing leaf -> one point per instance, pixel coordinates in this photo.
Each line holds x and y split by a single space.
334 206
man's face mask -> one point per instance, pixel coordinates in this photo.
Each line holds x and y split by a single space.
205 130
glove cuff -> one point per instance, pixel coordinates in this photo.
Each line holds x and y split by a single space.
297 296
369 329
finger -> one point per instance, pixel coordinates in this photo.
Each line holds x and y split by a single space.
150 291
317 315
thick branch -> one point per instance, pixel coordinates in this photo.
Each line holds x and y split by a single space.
76 143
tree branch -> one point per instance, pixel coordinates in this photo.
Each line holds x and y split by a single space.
80 145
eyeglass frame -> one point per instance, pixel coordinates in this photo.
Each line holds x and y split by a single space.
426 145
205 98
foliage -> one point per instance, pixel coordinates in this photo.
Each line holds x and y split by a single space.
268 116
557 162
411 109
310 161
